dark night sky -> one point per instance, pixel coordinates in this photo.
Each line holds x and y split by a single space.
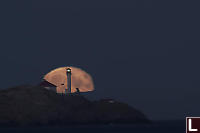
145 53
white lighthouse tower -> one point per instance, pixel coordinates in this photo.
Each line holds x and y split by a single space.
68 80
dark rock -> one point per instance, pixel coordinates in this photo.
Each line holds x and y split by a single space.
33 105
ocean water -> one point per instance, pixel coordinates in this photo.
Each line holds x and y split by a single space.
156 127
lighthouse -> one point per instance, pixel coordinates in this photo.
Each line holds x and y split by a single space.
68 81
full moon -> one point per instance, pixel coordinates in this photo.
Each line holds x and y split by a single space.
79 79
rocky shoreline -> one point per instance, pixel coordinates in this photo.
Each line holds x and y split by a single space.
33 105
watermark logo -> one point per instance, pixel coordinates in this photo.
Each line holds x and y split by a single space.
192 124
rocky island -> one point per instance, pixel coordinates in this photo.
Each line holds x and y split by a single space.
34 105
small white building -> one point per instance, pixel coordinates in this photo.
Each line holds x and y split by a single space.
48 85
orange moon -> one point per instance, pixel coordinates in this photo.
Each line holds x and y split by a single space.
79 79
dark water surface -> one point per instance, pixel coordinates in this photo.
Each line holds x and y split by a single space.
156 127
